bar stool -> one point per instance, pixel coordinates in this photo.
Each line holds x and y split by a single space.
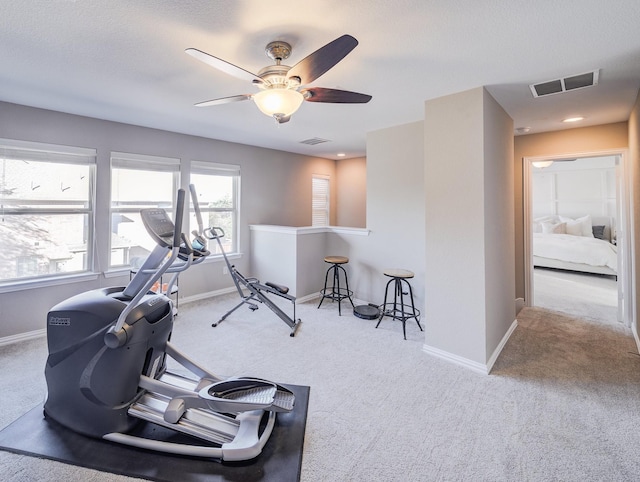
336 292
399 310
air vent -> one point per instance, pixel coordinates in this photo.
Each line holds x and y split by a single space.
313 141
565 84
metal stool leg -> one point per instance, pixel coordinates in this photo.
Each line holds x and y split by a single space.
384 304
336 283
347 292
403 318
324 290
414 313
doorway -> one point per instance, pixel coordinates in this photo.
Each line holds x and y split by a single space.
565 197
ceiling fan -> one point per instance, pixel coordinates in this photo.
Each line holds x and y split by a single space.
281 92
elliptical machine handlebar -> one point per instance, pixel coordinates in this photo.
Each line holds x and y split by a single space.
158 226
177 224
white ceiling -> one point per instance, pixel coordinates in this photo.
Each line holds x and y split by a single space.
124 60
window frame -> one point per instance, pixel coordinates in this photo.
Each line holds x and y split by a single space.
225 170
38 152
140 162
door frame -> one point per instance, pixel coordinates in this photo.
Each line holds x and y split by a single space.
623 226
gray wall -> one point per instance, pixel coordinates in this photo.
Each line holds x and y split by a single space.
470 289
276 189
394 234
395 214
499 224
351 183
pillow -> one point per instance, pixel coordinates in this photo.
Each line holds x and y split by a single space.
537 222
558 228
598 231
578 227
547 219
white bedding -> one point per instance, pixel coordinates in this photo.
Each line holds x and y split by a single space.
575 249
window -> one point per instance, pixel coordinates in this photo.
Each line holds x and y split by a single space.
320 200
46 209
217 186
138 182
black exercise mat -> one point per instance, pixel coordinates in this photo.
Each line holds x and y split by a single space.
280 460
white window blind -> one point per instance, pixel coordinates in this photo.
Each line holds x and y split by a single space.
320 200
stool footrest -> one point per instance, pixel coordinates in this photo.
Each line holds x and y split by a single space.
336 294
397 313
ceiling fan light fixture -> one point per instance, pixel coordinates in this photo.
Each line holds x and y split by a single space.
278 102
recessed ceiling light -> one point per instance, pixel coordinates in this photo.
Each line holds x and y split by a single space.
573 119
522 130
340 154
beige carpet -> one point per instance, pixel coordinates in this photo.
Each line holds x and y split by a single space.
562 402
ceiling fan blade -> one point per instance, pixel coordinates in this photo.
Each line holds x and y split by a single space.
223 65
317 63
224 100
334 96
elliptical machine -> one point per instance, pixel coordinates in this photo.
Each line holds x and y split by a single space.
107 365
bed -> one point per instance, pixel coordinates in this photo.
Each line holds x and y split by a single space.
583 244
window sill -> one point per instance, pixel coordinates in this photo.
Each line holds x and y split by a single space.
83 277
44 283
126 270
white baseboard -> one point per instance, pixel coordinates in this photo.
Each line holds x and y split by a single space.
207 295
29 335
458 360
485 369
519 304
304 299
503 342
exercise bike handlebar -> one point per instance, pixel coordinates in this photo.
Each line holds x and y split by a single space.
214 233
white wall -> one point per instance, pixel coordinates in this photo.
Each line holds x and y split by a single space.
634 159
575 188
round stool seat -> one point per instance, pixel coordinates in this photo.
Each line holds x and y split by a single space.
336 259
398 273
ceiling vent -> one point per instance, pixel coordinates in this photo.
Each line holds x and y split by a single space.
565 84
313 141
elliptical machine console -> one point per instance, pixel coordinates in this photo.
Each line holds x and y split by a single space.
107 365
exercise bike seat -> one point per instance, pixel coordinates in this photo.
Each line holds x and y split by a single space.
279 288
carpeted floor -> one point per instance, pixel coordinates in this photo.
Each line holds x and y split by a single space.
588 296
562 402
